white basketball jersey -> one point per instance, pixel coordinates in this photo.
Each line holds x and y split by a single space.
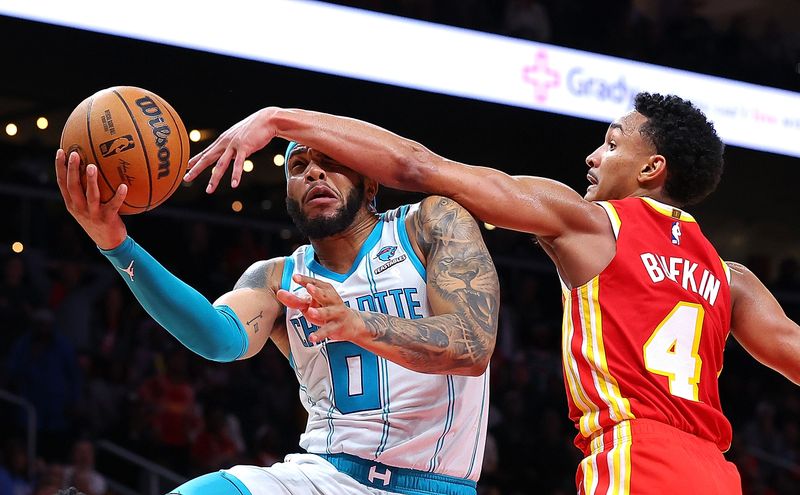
364 405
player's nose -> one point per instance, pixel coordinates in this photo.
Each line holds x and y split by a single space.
314 171
592 160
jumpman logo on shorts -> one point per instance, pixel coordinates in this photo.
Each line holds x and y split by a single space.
128 270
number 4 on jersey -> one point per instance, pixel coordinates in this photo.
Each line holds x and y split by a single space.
671 350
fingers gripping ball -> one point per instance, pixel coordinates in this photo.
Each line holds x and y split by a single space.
134 137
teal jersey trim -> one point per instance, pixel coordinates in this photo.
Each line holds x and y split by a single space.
448 423
288 270
370 243
406 243
383 373
478 433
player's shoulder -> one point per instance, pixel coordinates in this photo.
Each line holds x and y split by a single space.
436 213
263 274
436 201
435 206
438 218
742 279
737 267
740 274
431 207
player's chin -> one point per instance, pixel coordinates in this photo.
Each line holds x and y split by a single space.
317 214
591 193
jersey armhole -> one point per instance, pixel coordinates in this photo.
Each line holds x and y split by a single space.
402 234
288 270
727 270
613 217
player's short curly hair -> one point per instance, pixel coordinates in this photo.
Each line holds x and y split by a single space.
689 142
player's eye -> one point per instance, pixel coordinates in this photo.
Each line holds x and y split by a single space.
612 146
331 165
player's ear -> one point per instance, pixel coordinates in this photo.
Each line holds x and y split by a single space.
654 170
370 189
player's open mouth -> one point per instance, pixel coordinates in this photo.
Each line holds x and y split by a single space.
592 180
319 192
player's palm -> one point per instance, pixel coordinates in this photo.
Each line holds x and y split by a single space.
237 143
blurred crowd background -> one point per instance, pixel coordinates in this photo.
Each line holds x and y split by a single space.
97 368
747 40
102 374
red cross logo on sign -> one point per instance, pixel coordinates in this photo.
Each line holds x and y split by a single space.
541 76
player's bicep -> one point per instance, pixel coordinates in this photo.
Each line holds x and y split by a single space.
253 300
536 205
759 323
461 276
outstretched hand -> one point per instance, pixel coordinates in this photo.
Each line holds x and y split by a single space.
237 143
323 307
100 220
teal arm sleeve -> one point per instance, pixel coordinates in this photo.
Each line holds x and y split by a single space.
213 332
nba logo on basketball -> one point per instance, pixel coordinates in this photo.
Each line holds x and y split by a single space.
116 145
676 233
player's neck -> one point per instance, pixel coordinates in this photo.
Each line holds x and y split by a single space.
338 252
656 194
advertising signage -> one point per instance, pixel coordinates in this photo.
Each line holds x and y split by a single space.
421 55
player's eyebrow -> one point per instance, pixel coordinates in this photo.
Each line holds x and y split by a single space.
298 151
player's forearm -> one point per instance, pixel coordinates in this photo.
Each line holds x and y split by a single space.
212 332
779 352
366 148
445 344
786 345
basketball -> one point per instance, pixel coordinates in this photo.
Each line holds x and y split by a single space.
133 136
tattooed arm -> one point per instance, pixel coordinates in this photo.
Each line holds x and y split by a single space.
463 292
253 301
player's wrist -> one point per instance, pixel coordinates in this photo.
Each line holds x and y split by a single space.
112 242
285 123
268 117
359 332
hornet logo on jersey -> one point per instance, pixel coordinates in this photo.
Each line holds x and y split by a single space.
676 233
386 254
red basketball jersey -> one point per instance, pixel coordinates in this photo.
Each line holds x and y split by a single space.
645 338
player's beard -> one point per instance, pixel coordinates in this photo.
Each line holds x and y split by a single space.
325 225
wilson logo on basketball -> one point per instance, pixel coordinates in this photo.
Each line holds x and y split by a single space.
161 131
116 145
